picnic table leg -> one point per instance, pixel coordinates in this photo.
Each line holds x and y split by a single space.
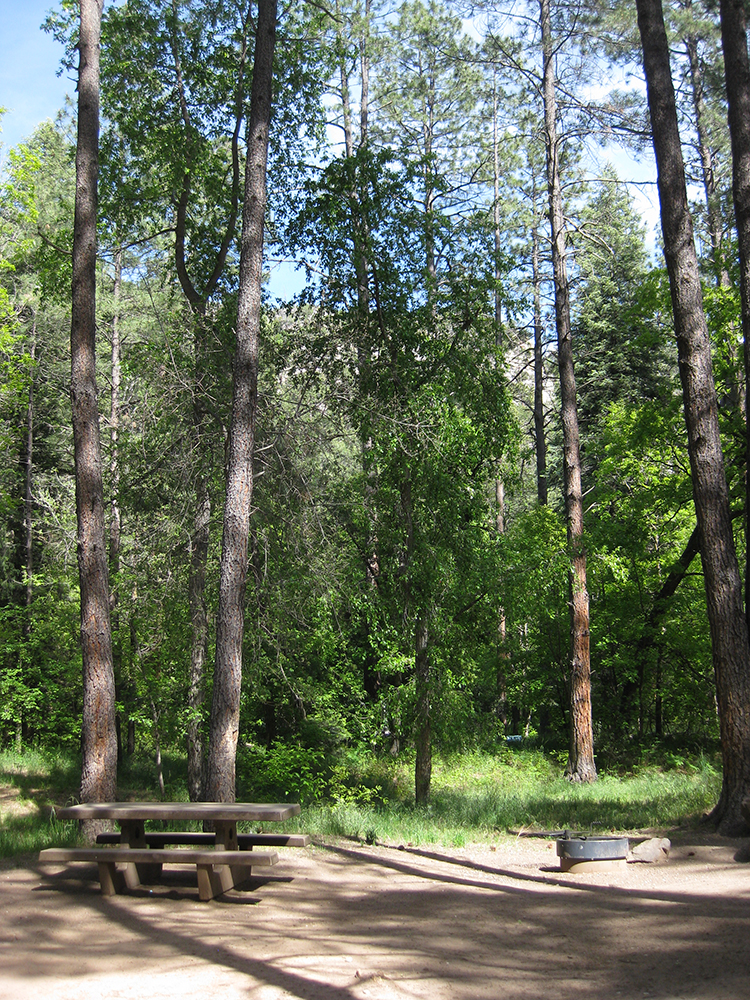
133 833
111 880
212 881
226 835
226 840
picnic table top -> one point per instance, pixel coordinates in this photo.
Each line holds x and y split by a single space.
227 811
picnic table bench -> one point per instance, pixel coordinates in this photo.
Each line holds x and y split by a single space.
245 841
223 858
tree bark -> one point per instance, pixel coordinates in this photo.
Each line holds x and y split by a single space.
198 299
496 207
99 744
225 708
115 513
580 766
503 658
713 197
364 65
416 608
198 616
737 75
423 722
28 504
540 441
356 199
737 390
503 654
729 633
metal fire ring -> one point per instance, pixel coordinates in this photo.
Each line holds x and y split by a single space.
583 848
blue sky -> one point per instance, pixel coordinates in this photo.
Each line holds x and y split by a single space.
30 90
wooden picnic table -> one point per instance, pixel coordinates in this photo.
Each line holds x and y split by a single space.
219 866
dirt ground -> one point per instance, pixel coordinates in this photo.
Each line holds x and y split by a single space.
345 921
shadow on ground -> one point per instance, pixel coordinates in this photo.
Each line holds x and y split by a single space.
343 923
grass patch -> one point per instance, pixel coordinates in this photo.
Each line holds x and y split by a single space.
30 833
31 785
475 796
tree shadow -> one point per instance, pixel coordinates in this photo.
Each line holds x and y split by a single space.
430 922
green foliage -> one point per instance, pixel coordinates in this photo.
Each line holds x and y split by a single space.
722 309
530 665
37 202
287 772
621 324
384 420
40 684
32 783
476 797
293 773
645 518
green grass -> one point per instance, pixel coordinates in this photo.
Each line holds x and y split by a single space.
475 796
31 784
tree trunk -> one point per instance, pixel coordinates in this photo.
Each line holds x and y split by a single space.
496 207
729 634
198 616
225 708
356 197
540 441
503 655
28 503
99 744
423 726
364 66
580 766
737 394
115 517
198 299
713 197
422 729
157 746
115 514
737 74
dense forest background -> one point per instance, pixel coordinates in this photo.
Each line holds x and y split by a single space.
408 567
